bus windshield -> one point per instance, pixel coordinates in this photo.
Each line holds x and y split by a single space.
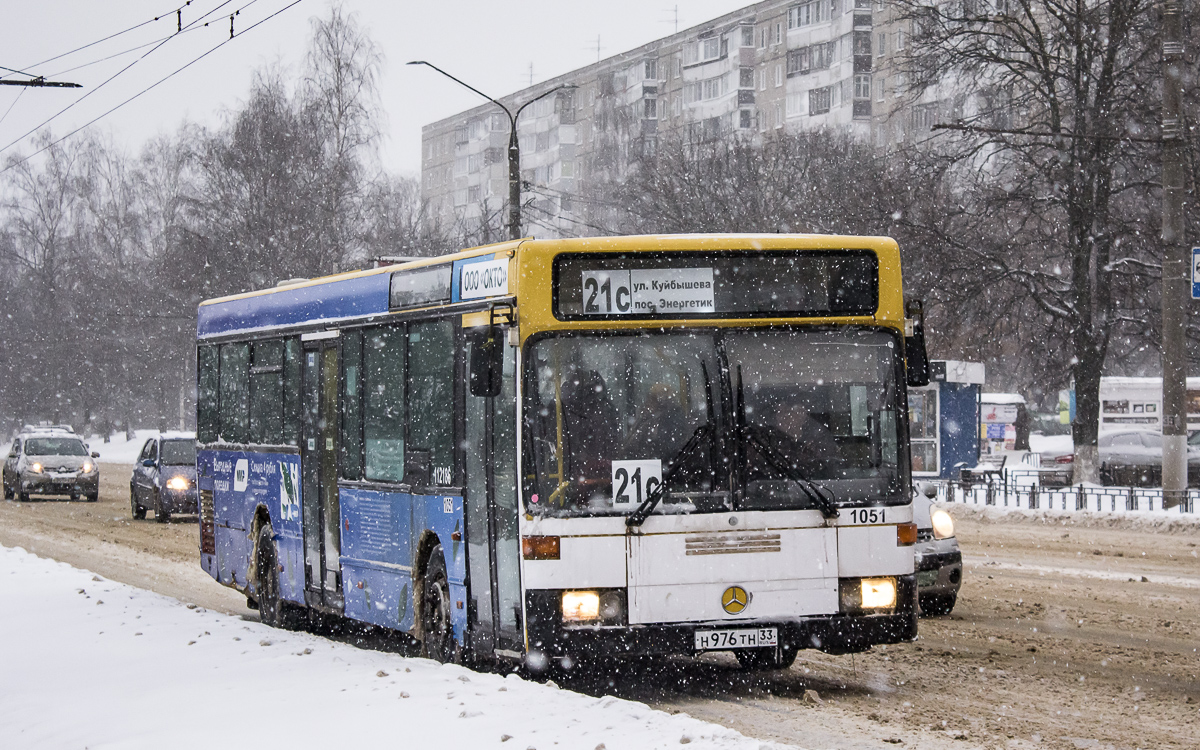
740 413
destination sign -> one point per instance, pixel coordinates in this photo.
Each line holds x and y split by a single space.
697 284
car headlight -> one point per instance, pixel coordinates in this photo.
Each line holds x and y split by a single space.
177 483
580 606
88 466
35 467
943 524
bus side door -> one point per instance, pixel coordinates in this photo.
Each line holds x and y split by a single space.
318 458
493 551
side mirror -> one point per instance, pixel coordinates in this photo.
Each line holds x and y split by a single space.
148 463
916 360
487 365
928 489
95 454
418 468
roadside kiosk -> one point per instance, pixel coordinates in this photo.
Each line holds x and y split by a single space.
943 417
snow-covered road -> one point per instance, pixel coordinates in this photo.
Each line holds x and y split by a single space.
86 662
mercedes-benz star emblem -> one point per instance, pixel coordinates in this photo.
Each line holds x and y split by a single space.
735 599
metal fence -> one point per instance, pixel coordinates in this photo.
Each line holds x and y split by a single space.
1020 489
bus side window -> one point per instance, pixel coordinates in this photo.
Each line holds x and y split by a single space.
291 392
352 415
266 393
207 391
383 403
235 393
431 395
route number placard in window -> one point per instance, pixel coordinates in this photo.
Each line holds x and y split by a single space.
633 481
648 291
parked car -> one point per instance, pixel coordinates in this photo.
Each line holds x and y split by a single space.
938 558
50 461
164 477
1127 458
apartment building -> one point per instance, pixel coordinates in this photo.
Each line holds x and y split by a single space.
778 64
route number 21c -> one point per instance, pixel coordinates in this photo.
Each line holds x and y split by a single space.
633 481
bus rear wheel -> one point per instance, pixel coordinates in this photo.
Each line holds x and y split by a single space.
766 659
273 610
437 634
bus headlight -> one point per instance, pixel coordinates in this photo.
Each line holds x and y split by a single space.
859 595
943 524
179 484
580 606
878 593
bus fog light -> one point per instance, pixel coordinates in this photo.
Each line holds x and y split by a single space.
580 606
878 593
612 607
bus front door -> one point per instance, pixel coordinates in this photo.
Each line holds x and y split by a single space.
318 459
493 542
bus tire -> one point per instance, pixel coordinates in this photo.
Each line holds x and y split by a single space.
437 634
766 659
271 607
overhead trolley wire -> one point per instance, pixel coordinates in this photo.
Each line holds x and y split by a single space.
108 80
105 39
148 88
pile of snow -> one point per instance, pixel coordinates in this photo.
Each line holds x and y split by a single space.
1052 445
118 450
93 663
1171 522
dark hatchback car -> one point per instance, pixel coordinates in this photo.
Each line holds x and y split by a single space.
164 478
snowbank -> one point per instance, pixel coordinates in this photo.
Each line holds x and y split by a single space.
1143 520
118 450
88 662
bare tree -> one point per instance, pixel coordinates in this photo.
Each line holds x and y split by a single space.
1047 166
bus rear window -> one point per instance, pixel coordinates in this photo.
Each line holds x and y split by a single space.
708 285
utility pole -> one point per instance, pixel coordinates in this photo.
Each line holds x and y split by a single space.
514 146
1175 263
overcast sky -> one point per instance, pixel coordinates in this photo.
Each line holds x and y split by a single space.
491 44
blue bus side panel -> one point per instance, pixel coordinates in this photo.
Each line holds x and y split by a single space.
380 534
353 296
241 481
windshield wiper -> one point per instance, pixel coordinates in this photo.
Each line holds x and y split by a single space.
819 494
639 516
704 432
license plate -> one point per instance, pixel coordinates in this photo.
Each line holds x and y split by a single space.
927 577
723 640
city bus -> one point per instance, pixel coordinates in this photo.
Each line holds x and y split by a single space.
542 451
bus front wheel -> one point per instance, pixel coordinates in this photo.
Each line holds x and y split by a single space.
437 634
273 610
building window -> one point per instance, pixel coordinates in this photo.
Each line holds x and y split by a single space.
746 119
747 36
677 106
762 80
879 87
778 75
651 109
778 115
746 78
882 48
778 33
651 70
762 38
819 100
568 169
862 87
712 48
900 39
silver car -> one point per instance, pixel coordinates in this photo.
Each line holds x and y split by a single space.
51 461
938 558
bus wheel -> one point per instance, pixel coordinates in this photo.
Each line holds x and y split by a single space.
272 609
764 659
269 605
437 634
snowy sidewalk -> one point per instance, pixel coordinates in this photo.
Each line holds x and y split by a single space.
87 662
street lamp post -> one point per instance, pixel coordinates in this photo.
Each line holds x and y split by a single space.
514 147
